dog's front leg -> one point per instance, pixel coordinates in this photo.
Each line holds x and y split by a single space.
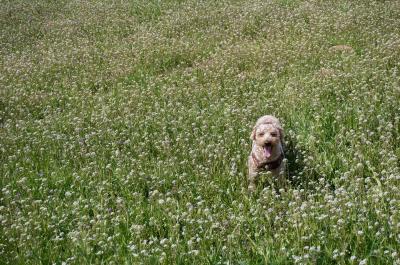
252 181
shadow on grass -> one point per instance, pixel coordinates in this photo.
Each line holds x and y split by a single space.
298 174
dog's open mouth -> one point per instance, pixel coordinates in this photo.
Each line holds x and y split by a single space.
267 150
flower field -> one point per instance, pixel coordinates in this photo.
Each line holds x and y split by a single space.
125 131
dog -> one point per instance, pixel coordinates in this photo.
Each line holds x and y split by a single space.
267 151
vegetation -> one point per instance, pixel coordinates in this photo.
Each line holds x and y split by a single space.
125 125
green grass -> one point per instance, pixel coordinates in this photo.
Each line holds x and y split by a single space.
124 131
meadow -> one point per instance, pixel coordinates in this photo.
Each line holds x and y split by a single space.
125 131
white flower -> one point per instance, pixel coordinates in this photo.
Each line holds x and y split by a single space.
363 262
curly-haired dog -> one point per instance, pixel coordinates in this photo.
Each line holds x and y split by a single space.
267 150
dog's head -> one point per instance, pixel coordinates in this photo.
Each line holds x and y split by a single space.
269 136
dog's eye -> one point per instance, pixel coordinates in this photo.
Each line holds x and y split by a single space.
274 134
261 134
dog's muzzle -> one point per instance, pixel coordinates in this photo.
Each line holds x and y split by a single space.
267 148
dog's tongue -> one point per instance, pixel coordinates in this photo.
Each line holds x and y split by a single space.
267 151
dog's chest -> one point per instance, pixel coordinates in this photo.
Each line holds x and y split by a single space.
267 165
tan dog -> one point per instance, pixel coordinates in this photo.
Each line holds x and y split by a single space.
267 150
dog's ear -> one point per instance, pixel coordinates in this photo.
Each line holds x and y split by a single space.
253 134
279 127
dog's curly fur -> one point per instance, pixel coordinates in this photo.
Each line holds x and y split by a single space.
267 150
